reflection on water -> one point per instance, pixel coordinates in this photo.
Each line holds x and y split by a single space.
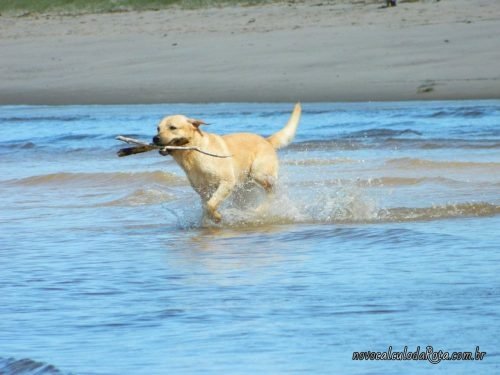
383 232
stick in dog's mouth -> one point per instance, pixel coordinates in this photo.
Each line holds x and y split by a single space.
144 147
175 142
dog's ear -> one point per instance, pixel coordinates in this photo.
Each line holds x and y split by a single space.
196 122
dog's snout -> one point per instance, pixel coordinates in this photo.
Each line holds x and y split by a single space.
156 140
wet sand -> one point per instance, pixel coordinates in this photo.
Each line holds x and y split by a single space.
314 51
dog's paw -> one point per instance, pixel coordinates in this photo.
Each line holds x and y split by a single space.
210 220
216 217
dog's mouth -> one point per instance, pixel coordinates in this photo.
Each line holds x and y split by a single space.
179 142
174 142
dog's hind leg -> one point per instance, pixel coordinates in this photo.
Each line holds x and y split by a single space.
268 183
265 171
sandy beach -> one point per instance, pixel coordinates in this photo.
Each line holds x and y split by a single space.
307 51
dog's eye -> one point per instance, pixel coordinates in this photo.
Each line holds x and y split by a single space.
172 127
158 129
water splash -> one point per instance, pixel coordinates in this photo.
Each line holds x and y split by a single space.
250 207
321 204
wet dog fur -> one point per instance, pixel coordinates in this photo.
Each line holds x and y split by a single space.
253 158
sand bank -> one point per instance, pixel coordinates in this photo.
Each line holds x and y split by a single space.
311 51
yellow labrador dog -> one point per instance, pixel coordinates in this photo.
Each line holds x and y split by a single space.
253 158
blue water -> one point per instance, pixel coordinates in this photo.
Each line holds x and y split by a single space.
384 232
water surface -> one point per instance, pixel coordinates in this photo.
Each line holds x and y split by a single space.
384 232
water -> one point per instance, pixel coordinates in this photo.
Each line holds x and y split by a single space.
384 233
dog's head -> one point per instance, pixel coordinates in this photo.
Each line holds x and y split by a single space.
177 130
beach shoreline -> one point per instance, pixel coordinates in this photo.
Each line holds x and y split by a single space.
333 51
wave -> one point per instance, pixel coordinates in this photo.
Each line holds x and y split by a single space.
326 145
435 164
76 137
314 161
360 143
19 145
467 112
67 118
452 143
357 212
380 132
66 178
393 165
385 182
26 366
47 141
460 210
140 197
405 181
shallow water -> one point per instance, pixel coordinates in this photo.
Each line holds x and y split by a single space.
384 232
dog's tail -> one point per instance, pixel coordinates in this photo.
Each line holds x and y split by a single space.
285 136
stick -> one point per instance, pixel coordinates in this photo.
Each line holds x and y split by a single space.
144 147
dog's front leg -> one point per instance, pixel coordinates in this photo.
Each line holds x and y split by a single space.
223 191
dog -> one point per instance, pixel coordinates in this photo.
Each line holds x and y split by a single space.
252 158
